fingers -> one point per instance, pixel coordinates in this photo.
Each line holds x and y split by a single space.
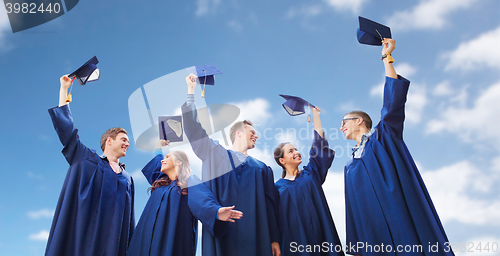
192 77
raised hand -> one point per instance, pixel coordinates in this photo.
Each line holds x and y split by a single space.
191 83
388 46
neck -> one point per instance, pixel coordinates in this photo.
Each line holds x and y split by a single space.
172 174
291 172
111 157
360 135
240 147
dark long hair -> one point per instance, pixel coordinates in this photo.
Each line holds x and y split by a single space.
278 153
182 174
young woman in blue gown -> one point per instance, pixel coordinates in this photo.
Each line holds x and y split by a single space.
304 218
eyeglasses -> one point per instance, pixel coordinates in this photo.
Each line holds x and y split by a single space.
347 119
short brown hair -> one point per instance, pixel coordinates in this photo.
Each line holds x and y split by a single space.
111 133
238 126
366 118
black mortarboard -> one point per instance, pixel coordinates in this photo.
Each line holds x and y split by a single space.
205 73
170 128
371 32
88 72
295 105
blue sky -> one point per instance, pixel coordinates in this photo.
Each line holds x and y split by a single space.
447 49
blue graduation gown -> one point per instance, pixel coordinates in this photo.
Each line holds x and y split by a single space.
95 211
386 199
303 214
250 187
166 226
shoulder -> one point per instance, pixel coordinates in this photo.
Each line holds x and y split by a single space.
281 185
256 162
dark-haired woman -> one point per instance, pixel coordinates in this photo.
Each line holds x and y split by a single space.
167 226
304 218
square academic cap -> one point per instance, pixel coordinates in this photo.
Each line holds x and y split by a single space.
205 73
170 128
371 32
88 72
295 105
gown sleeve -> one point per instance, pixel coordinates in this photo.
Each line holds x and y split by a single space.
205 206
393 110
152 169
73 149
206 149
320 158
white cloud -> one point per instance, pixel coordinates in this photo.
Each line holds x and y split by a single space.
34 175
477 53
43 213
256 110
430 14
347 106
40 236
453 200
474 124
417 98
138 177
443 89
235 25
404 69
206 6
346 5
334 193
304 11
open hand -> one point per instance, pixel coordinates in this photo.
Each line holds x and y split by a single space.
228 214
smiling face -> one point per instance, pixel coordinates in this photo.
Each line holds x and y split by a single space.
167 164
118 146
291 156
251 136
349 126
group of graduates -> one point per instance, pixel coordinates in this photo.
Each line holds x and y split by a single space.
242 209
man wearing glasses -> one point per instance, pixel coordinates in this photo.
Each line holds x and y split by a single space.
388 208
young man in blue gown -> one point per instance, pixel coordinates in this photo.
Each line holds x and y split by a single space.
388 208
95 211
235 179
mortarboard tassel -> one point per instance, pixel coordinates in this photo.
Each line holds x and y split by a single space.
68 98
204 82
309 118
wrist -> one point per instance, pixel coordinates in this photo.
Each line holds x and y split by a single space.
387 57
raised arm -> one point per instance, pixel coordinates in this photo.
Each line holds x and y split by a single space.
63 91
152 170
395 92
317 121
205 148
388 46
320 158
73 150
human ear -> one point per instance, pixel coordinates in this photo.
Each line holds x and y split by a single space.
282 161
